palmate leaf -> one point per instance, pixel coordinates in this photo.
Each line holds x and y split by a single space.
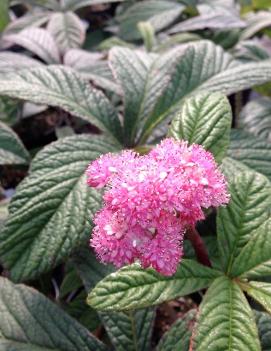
204 119
63 87
51 211
202 67
247 210
30 321
67 30
225 320
134 287
37 40
253 151
255 117
12 150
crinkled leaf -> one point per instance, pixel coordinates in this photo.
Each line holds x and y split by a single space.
247 210
51 210
129 331
253 151
134 287
30 321
179 334
63 87
67 30
225 320
263 321
37 40
255 117
12 150
204 119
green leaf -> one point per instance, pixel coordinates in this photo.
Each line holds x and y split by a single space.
4 15
51 209
253 151
32 20
74 5
225 320
47 327
160 13
129 331
263 321
179 334
254 259
63 87
37 40
148 35
260 291
204 119
255 117
67 30
255 23
11 62
12 150
247 210
202 67
134 287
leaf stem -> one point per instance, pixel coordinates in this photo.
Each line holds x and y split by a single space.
198 245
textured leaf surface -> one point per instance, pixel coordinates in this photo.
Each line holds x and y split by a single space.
256 22
253 151
261 292
203 67
51 211
160 13
63 87
67 30
204 119
256 117
263 321
27 21
12 150
134 287
179 334
247 210
77 4
11 62
129 331
225 320
29 321
39 41
254 259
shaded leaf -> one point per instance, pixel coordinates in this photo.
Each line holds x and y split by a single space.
263 321
261 292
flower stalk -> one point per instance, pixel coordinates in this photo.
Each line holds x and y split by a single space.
199 247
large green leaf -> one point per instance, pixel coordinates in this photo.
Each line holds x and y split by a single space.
203 67
255 117
225 320
204 119
254 259
179 334
51 211
30 321
11 62
129 331
263 321
260 291
37 40
247 210
12 150
253 151
160 13
63 87
134 287
67 30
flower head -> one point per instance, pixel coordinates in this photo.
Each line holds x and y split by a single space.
150 200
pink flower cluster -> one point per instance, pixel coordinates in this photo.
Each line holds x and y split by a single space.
150 200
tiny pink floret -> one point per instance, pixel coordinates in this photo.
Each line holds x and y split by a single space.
150 200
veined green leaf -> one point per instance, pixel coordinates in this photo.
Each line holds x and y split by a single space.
67 30
51 210
134 287
253 151
254 259
11 62
47 327
204 119
225 320
32 20
247 210
12 150
63 87
179 334
263 321
74 5
260 291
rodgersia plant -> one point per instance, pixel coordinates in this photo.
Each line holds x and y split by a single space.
150 202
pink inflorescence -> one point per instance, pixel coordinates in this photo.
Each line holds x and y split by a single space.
150 200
